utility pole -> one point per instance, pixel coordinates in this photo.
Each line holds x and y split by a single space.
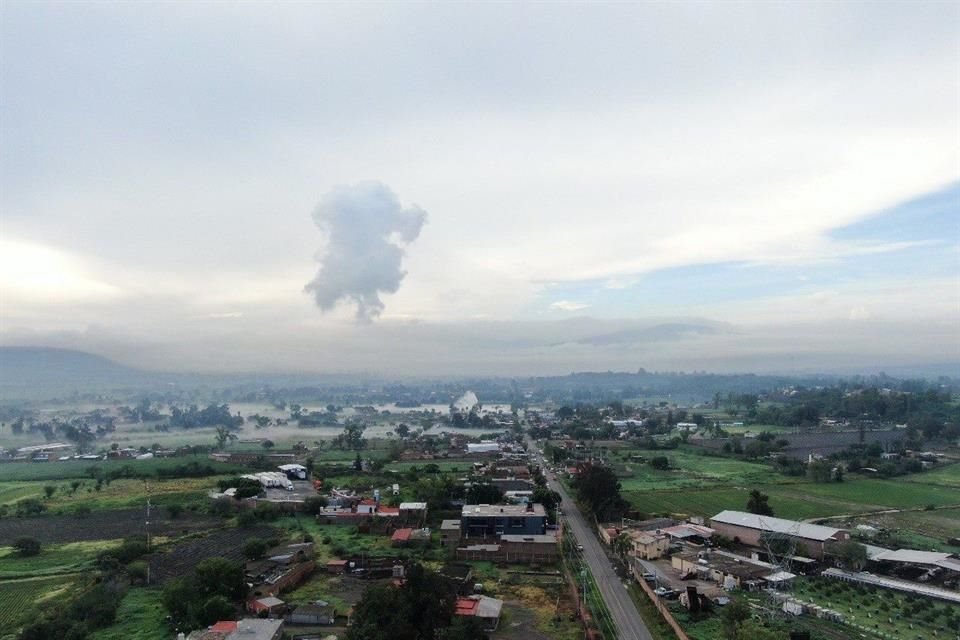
146 486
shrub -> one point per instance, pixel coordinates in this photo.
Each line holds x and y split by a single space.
27 546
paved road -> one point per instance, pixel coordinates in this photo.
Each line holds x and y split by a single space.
625 616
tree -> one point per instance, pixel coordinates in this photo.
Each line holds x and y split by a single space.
267 444
482 493
219 576
733 615
758 503
224 436
660 462
254 548
27 546
464 628
852 553
820 471
49 490
599 490
753 630
314 504
214 609
419 610
402 431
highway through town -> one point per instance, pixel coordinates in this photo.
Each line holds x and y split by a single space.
626 618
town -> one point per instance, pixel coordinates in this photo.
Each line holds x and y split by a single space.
798 512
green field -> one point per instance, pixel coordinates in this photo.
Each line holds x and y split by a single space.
118 494
945 476
799 500
690 469
53 559
141 616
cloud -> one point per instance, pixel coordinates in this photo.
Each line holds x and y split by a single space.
567 305
367 231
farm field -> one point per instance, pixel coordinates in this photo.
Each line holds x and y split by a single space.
182 557
18 598
102 525
80 468
880 613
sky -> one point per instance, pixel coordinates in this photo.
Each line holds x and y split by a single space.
514 188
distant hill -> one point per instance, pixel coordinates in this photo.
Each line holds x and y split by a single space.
39 369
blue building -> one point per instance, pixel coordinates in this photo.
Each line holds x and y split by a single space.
494 520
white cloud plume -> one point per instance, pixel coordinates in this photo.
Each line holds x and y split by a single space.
367 232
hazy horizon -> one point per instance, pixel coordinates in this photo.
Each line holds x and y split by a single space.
488 189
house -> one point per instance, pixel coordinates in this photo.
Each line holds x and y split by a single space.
406 537
283 568
268 606
608 533
413 512
512 484
490 521
688 533
449 532
652 524
533 548
485 609
217 631
257 629
483 447
647 545
336 566
459 575
318 613
367 506
749 528
729 570
245 629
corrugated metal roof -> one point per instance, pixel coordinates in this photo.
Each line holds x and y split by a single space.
776 525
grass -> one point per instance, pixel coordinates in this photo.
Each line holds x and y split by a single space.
320 587
924 529
690 469
657 626
946 476
709 502
141 616
53 559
